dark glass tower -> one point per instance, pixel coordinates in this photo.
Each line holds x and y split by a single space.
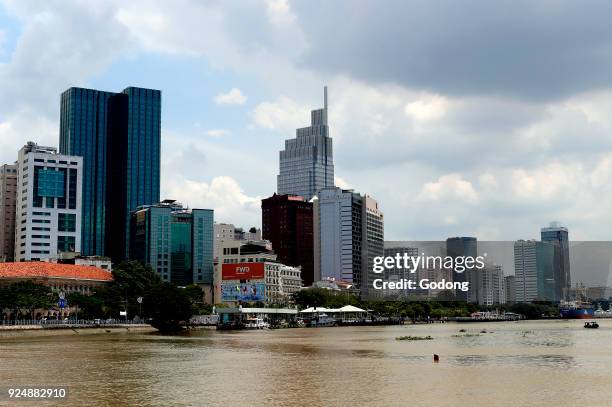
458 247
559 235
287 223
118 135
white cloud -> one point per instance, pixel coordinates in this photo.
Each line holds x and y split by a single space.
283 114
218 132
452 187
341 183
222 193
279 12
233 97
428 108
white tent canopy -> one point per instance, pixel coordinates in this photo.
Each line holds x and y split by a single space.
346 308
350 308
312 310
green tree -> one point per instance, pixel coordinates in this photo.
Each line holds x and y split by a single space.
89 306
131 279
28 296
167 306
196 297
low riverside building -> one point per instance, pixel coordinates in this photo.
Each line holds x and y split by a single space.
62 278
249 272
266 281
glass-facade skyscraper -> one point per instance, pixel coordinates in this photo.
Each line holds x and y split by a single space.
306 163
118 135
176 242
559 235
464 246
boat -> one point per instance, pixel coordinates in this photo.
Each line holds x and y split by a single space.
322 320
591 325
255 323
576 310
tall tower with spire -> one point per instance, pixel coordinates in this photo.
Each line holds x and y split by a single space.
306 163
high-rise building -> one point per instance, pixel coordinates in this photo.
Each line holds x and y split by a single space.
491 288
8 197
306 163
348 233
287 223
559 235
373 242
338 235
48 218
534 270
118 135
176 242
463 247
510 289
395 274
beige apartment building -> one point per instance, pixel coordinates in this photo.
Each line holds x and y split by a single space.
8 197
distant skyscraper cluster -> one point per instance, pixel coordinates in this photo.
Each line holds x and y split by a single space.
98 195
331 233
542 268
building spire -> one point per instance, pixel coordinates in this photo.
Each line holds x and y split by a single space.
325 104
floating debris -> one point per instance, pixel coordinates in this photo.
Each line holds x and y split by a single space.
413 338
465 335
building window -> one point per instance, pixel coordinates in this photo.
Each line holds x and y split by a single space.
65 243
66 222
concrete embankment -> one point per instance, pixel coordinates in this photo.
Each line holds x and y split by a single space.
23 331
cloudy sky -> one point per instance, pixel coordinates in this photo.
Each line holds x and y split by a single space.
462 118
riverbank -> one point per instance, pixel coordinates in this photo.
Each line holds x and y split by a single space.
24 331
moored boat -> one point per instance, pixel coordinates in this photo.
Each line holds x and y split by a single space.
576 310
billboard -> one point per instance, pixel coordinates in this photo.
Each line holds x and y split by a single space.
243 271
243 292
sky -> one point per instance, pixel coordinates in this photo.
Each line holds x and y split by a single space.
470 118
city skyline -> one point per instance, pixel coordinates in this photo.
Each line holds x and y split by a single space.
509 154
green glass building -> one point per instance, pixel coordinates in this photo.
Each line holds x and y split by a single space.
118 135
176 242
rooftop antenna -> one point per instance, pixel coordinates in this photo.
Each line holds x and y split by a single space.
325 104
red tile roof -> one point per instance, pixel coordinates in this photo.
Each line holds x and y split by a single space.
52 270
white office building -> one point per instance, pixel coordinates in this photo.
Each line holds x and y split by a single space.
48 208
491 288
348 234
525 270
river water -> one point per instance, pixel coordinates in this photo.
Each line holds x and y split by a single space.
549 363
